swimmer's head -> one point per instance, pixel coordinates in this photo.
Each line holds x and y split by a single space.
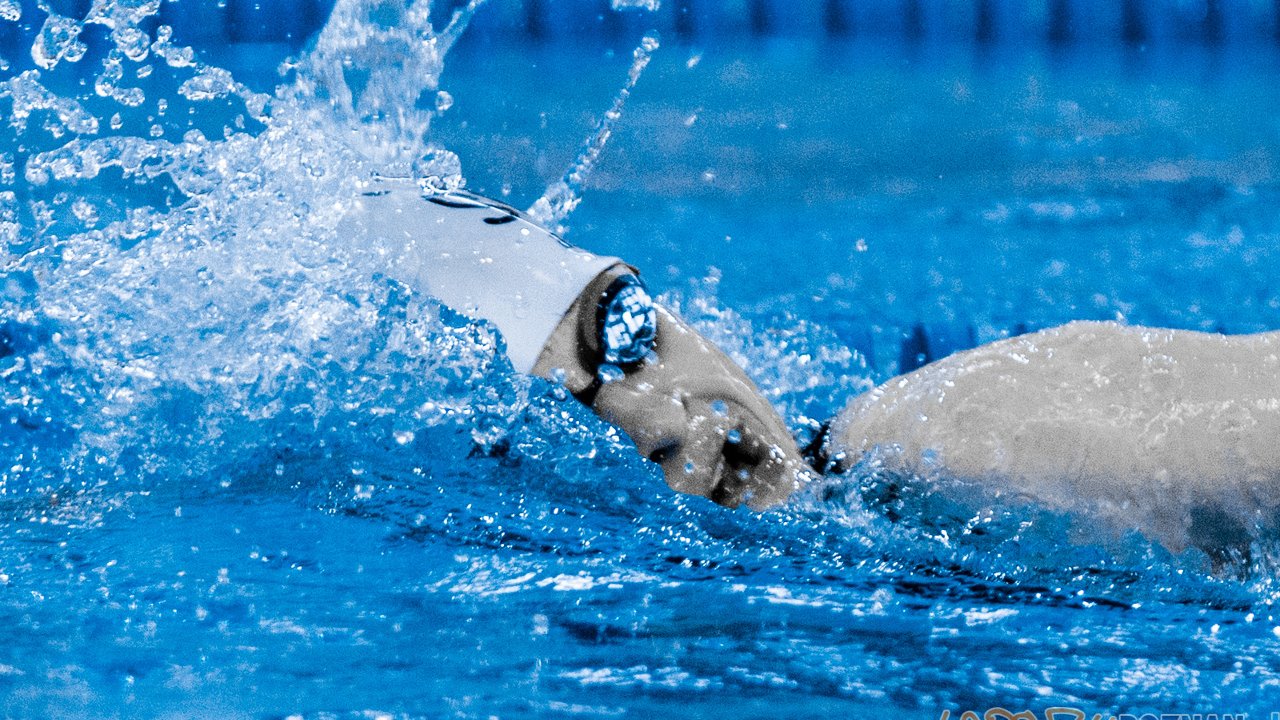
686 405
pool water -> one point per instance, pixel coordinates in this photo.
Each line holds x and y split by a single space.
245 475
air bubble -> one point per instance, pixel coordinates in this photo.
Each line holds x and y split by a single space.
84 211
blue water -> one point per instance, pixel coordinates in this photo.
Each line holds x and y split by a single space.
243 475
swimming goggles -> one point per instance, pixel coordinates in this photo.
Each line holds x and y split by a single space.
626 326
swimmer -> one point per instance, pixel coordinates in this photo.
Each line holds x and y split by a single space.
1172 433
588 322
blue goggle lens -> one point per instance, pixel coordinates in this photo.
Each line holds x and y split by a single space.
628 322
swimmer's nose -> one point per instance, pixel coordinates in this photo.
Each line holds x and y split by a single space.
717 454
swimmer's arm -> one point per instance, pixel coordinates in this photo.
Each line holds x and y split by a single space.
1149 422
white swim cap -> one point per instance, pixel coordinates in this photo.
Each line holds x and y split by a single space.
477 256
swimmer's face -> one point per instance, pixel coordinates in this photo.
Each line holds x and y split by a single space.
689 408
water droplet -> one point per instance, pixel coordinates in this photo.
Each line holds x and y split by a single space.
609 373
437 171
84 211
646 5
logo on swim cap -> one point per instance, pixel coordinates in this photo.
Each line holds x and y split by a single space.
628 322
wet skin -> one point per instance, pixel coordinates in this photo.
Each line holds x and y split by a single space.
1170 432
690 408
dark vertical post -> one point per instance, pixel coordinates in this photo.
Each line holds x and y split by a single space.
1060 30
913 20
686 24
1212 27
535 24
759 16
1133 30
836 20
984 23
915 350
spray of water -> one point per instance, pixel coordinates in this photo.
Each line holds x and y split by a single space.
562 197
177 305
378 68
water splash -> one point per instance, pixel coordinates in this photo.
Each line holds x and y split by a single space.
374 63
562 197
179 309
177 305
